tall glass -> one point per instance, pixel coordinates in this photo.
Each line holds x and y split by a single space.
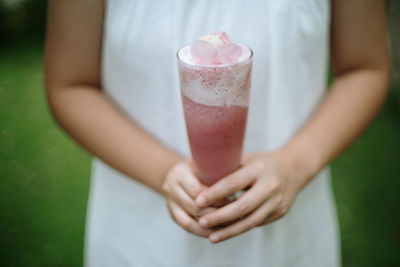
215 101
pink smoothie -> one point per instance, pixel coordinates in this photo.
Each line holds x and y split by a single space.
216 138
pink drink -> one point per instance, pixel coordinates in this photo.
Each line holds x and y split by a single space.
216 137
215 102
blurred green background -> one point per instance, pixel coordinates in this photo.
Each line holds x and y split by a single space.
44 175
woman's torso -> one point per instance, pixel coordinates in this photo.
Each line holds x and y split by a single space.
128 224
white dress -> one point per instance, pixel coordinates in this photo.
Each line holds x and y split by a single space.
129 224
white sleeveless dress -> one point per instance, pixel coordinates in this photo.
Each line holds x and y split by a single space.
129 224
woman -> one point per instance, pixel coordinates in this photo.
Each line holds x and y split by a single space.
111 82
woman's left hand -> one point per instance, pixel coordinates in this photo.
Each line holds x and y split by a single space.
271 184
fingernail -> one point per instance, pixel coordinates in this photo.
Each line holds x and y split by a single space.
214 237
201 200
203 222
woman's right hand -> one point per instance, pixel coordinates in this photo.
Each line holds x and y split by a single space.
181 187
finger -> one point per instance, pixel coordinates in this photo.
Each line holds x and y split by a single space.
190 183
227 186
243 225
248 202
180 196
222 202
185 221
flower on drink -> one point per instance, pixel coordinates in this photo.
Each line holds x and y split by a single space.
215 49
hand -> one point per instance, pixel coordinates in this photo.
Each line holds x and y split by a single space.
180 188
271 189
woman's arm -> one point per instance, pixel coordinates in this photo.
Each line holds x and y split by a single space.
360 62
73 56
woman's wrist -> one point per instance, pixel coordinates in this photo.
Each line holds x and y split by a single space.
170 162
302 163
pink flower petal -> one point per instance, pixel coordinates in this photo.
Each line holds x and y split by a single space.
223 36
235 51
203 52
228 53
223 54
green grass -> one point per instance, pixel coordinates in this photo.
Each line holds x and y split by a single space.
44 176
44 179
366 183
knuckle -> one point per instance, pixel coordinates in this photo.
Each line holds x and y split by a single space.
279 199
186 224
166 188
274 185
194 210
196 190
243 207
231 184
178 169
